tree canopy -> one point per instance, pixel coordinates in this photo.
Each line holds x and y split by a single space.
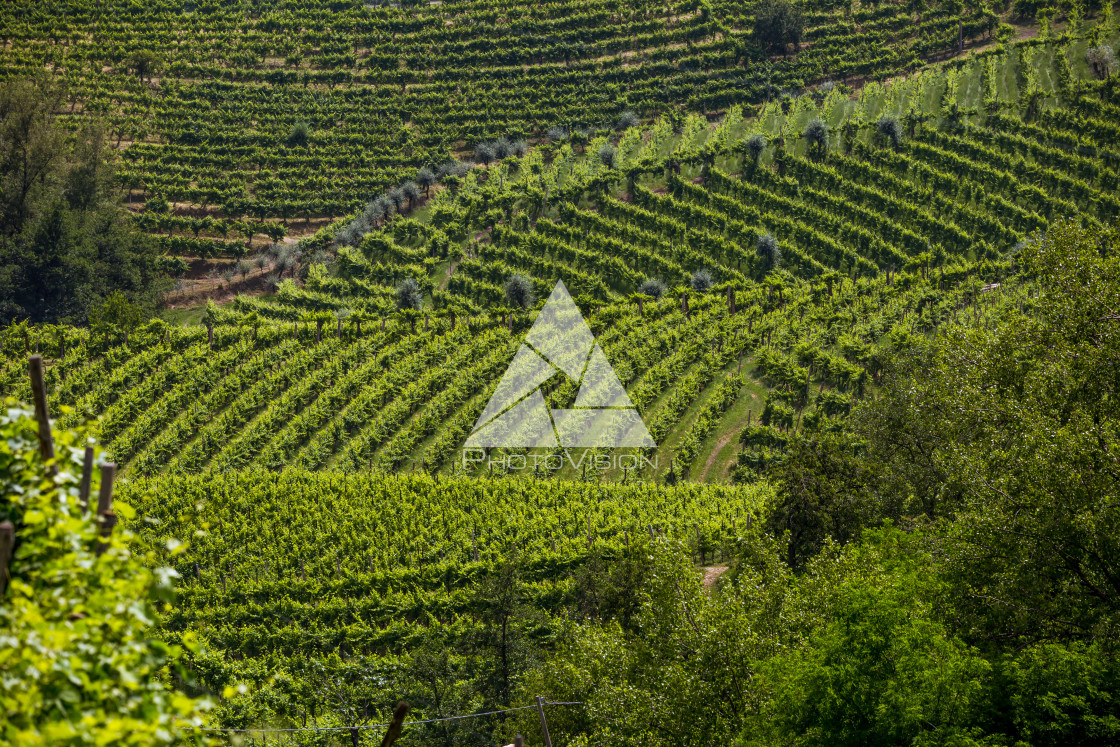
66 243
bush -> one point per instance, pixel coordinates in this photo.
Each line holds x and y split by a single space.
627 120
80 665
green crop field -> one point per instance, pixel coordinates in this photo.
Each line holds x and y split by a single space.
854 265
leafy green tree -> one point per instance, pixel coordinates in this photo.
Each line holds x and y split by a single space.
144 62
1055 694
1013 426
501 637
883 671
116 311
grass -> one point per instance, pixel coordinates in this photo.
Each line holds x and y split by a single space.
184 317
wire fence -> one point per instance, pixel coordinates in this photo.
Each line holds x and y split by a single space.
386 725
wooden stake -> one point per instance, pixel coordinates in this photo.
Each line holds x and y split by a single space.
42 414
394 731
105 504
7 542
87 478
544 724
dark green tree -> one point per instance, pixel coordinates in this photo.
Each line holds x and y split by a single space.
66 242
777 23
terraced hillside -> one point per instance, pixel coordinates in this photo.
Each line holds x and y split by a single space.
302 108
819 254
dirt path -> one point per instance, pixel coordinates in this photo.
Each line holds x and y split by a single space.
712 574
715 455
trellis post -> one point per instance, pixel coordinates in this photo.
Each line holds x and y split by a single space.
42 414
105 504
544 724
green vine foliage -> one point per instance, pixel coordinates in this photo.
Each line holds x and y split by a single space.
79 666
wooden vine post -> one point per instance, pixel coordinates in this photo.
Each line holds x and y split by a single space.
7 543
42 414
87 478
544 724
105 505
394 731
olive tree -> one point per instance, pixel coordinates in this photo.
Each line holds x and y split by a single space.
519 291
